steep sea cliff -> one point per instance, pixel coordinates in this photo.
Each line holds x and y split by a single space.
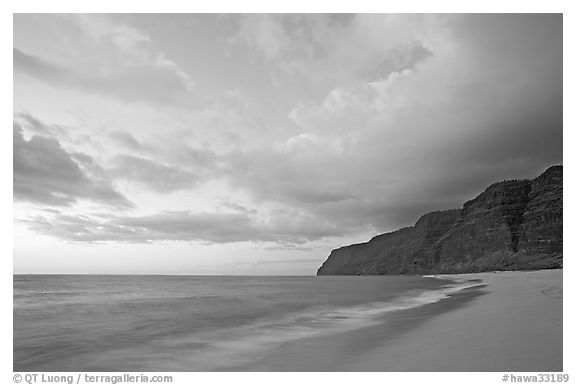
512 225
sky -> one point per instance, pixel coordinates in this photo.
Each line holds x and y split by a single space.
257 143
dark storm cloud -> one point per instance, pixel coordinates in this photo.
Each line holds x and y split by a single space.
47 174
180 226
501 119
511 114
141 82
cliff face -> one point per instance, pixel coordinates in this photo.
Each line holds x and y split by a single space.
541 227
511 225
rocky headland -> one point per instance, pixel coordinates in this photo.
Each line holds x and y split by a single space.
512 225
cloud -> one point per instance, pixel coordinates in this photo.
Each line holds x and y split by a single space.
329 48
238 208
34 125
127 140
385 117
398 60
484 105
102 29
156 82
152 174
183 226
36 66
45 173
105 57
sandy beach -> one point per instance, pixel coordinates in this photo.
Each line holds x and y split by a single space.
513 323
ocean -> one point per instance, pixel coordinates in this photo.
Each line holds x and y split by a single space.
196 323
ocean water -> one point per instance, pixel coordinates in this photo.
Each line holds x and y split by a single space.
195 323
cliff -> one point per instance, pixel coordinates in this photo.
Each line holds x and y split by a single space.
512 225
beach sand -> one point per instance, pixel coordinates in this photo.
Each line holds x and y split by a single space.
513 324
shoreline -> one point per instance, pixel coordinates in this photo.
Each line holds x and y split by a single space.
513 323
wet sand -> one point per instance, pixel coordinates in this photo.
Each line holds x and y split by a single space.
513 323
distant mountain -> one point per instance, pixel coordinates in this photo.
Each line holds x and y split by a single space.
512 225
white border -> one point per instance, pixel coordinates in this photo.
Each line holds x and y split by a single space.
244 6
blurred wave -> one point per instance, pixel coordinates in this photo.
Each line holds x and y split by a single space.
185 323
